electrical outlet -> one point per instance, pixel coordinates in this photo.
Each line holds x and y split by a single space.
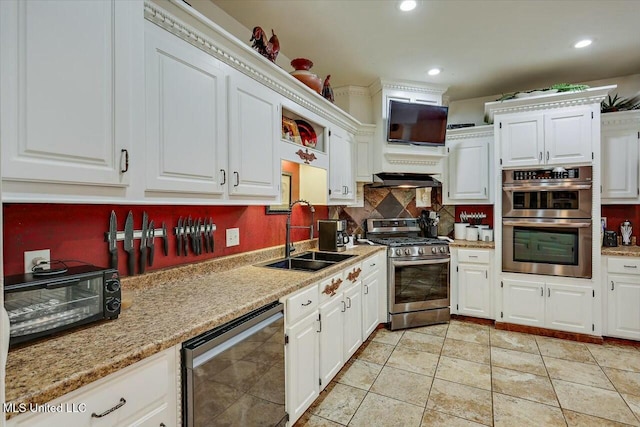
33 258
233 237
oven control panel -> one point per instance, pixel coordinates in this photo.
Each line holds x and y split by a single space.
560 173
426 251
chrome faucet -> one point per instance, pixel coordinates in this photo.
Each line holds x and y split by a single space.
288 246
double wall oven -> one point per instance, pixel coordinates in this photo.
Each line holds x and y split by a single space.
418 272
546 221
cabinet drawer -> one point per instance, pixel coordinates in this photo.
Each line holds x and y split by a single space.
332 287
371 265
301 304
353 273
625 265
478 257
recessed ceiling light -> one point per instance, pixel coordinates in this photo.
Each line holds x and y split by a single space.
407 5
434 71
582 43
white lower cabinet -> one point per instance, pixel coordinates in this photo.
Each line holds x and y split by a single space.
372 282
143 394
331 338
302 370
565 307
353 319
623 298
472 280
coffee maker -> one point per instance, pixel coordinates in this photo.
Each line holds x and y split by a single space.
332 235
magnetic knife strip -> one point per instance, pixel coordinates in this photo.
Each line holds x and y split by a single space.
197 231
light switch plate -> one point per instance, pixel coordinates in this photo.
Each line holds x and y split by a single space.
233 237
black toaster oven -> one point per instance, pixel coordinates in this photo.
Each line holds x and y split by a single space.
44 303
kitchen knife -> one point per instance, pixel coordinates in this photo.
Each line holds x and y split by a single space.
187 234
143 242
179 236
113 235
194 236
165 240
151 242
206 235
212 228
199 236
128 243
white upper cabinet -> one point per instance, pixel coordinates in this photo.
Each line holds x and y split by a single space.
254 128
468 165
620 156
549 138
341 167
68 81
186 125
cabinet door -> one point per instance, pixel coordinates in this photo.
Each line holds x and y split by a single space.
186 116
569 308
254 128
521 140
468 166
474 291
370 303
67 83
331 338
302 366
341 175
567 136
353 319
623 306
620 163
523 302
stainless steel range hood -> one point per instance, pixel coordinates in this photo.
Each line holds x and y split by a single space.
404 180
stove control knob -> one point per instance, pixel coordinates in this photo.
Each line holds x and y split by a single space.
443 249
407 251
420 251
398 252
434 250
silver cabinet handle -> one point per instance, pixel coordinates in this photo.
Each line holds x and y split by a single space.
304 304
612 286
237 174
224 177
485 191
540 156
349 305
344 306
541 291
473 256
547 156
319 324
108 411
549 292
630 266
366 289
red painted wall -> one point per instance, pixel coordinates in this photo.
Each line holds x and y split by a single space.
617 213
485 209
76 232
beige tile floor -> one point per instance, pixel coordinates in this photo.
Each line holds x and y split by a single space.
465 374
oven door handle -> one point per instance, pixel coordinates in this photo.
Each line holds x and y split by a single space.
550 223
421 262
547 187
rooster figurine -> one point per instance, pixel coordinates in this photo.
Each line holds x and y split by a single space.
327 91
267 48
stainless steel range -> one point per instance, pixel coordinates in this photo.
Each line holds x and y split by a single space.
418 272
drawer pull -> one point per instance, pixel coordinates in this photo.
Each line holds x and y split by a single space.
612 285
541 291
108 411
473 256
630 266
304 304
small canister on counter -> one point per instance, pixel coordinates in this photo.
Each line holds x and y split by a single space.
486 235
472 233
460 230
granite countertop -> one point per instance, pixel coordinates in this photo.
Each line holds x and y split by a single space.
622 251
182 303
459 243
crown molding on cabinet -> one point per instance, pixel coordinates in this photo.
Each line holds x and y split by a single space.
621 118
469 132
414 87
542 102
244 59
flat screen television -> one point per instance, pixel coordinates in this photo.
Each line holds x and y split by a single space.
417 124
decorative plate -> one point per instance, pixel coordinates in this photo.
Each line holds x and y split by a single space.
307 134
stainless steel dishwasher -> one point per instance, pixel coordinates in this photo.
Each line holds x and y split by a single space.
234 375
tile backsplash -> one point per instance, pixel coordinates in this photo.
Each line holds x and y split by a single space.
393 203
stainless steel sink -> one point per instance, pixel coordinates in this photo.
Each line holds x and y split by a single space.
323 256
299 264
308 261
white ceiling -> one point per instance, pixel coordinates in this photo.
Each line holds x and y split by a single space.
483 47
